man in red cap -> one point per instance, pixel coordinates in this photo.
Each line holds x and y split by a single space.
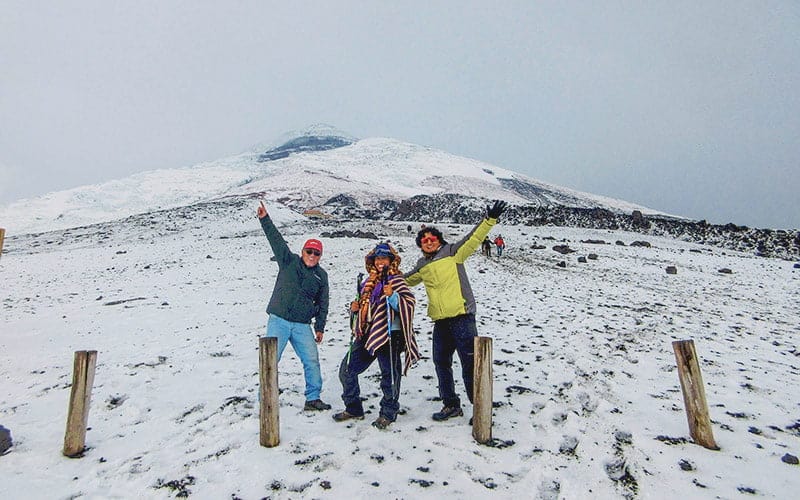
300 295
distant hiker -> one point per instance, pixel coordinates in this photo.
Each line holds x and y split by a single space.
451 304
383 329
300 295
486 247
500 244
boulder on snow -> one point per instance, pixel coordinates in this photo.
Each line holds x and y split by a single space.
672 270
790 459
725 270
563 249
5 440
592 256
645 244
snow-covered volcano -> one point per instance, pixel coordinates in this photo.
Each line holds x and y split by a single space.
304 170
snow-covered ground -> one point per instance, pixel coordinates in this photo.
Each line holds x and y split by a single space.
587 397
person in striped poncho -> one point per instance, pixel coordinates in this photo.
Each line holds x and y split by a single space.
383 317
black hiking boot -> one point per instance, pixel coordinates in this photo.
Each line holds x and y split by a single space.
381 422
316 404
344 415
447 412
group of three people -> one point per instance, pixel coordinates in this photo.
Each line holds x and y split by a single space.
381 317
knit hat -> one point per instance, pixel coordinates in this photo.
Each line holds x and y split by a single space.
313 244
383 250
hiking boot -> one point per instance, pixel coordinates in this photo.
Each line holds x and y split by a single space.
447 412
344 415
381 422
316 404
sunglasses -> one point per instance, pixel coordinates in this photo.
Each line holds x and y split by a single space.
310 251
429 239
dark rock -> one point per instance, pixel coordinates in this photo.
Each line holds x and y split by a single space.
6 442
638 220
672 270
582 260
686 465
797 265
620 243
790 459
592 256
563 249
594 242
538 247
645 244
562 264
725 270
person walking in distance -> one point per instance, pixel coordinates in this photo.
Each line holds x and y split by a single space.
451 304
500 244
300 294
384 313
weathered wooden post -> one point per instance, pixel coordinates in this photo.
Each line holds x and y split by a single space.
2 237
268 376
482 384
694 394
79 399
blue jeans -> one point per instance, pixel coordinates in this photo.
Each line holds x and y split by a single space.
454 335
358 361
302 339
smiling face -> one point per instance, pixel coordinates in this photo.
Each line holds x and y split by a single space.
429 243
381 263
311 257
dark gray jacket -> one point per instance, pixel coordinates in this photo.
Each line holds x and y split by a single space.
300 293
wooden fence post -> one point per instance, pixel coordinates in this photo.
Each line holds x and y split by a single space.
694 394
2 237
482 397
79 400
270 434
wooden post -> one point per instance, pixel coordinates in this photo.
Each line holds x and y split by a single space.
270 434
2 237
694 395
79 399
482 397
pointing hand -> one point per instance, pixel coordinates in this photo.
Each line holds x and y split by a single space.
262 211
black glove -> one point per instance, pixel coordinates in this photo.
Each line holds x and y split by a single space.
497 210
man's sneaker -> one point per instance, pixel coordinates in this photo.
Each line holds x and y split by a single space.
316 404
447 412
381 422
343 415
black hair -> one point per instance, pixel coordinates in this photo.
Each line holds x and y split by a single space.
432 230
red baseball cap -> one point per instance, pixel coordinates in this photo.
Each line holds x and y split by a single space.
313 244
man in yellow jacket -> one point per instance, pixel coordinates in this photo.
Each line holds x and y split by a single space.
451 304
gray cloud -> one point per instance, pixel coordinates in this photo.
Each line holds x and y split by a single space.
690 109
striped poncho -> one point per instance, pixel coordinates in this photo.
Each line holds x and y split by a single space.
374 329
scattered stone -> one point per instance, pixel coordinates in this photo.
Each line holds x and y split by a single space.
325 485
797 265
620 243
746 489
790 459
562 264
5 440
592 256
645 244
594 242
725 270
671 440
568 445
686 465
582 260
623 437
350 234
672 270
563 249
538 247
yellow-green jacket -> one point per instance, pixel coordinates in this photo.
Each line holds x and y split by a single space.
449 293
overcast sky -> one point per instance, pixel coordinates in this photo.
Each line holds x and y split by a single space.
691 108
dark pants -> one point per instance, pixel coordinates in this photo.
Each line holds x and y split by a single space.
360 360
454 335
